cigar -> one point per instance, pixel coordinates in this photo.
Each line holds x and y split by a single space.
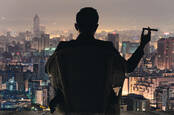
150 29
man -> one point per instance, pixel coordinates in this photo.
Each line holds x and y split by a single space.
85 71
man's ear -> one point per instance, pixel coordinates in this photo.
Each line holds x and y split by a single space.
76 26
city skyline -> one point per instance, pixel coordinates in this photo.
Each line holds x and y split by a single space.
32 31
56 15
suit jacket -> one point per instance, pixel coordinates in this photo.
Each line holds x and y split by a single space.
84 73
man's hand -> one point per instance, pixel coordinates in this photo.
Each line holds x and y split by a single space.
145 38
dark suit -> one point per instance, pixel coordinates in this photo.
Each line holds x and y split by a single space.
84 73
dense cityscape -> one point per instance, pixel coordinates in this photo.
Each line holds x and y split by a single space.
24 85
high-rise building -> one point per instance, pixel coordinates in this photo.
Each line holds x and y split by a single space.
21 36
11 84
42 28
147 49
28 36
70 37
152 88
26 85
45 96
8 35
0 82
165 53
128 48
39 97
36 26
3 43
125 47
40 43
114 38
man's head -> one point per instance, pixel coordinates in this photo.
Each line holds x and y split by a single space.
87 20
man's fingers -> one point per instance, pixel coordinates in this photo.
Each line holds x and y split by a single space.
142 34
149 31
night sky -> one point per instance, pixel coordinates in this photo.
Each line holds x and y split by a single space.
17 15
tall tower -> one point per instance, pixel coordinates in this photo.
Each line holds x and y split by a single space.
165 52
114 38
36 26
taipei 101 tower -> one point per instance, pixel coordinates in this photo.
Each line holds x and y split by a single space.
36 26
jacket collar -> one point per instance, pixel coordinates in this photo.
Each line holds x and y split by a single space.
85 37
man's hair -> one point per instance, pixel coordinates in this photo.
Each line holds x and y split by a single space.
87 16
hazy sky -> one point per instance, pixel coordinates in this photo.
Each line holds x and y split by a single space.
17 15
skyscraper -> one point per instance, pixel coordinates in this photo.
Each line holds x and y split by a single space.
114 38
165 54
128 48
40 43
36 26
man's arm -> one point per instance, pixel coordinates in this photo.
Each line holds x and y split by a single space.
49 63
130 64
52 69
122 66
51 60
133 61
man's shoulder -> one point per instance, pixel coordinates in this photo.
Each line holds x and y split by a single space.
90 41
62 44
76 43
102 42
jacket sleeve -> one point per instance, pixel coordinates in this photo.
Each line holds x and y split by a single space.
51 68
51 60
49 64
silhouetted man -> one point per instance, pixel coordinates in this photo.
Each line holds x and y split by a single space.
84 71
